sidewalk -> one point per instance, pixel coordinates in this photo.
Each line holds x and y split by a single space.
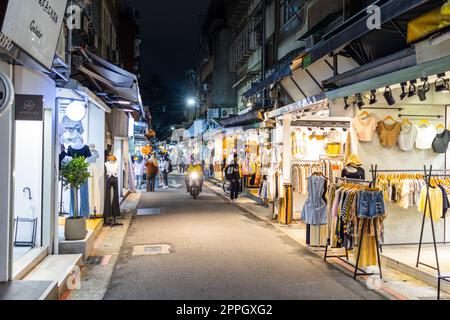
97 272
394 286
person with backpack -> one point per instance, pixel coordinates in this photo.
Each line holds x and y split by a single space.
233 175
152 171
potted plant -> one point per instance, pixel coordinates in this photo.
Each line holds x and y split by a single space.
74 174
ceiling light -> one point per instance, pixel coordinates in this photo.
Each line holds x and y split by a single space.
123 102
404 94
76 110
388 96
359 101
424 88
346 106
412 88
442 84
373 97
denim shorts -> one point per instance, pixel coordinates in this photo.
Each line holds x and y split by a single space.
370 204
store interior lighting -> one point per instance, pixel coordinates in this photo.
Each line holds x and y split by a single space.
76 110
389 96
412 88
442 84
424 88
359 101
373 97
346 106
404 94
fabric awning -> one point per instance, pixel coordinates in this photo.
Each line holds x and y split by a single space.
246 119
118 83
277 75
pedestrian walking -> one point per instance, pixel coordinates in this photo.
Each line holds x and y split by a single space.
152 171
165 165
232 174
139 168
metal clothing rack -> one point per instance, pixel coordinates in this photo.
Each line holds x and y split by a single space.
358 271
438 116
429 173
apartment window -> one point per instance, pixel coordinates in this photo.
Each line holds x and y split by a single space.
289 9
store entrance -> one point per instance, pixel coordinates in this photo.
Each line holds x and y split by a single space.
28 164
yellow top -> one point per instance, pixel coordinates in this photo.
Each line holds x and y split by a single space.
436 202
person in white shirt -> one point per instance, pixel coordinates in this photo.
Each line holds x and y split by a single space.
165 165
139 172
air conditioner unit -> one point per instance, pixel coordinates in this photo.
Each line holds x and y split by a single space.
213 113
311 41
226 112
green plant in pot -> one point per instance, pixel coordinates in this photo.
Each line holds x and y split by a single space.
74 174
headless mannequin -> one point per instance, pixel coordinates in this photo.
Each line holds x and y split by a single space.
112 206
76 150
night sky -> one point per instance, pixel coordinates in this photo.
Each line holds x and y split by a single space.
170 37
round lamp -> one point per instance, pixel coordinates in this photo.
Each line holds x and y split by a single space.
76 110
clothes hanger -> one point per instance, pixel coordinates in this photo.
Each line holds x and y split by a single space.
364 114
440 127
424 122
406 121
389 118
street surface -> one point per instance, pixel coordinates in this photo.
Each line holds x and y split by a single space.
218 252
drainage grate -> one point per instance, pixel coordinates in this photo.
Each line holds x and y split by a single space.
149 212
151 250
94 260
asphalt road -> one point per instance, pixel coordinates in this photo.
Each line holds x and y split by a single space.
219 252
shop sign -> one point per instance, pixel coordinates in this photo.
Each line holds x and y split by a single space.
35 26
299 105
29 107
6 93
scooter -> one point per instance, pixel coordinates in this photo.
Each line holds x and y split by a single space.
194 184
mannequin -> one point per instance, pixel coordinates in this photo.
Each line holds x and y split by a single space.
112 206
76 150
353 169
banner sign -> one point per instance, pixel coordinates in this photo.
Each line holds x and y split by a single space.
35 26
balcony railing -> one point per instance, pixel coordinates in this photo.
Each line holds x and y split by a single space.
247 42
236 9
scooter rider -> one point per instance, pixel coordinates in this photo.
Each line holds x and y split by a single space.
194 168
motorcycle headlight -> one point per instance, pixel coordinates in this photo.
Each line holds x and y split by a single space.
194 175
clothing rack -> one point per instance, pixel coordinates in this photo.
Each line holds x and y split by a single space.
357 271
421 115
429 173
428 176
380 108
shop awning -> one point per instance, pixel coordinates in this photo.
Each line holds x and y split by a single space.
357 26
426 69
246 119
120 85
300 105
277 75
82 93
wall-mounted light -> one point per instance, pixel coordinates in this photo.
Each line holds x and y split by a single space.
404 94
412 88
442 84
373 97
359 101
346 106
389 96
76 110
